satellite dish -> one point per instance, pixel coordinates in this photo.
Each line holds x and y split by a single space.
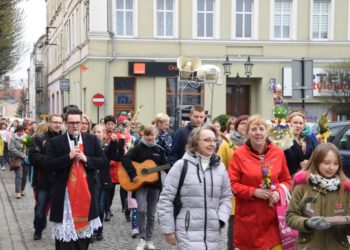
208 73
187 66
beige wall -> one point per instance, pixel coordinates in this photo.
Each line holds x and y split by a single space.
268 57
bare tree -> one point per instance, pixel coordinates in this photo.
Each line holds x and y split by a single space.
337 88
11 35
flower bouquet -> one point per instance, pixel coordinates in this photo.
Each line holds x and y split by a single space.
26 141
266 182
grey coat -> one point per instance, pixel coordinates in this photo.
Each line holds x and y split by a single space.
16 147
206 198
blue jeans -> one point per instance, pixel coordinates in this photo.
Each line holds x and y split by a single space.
42 197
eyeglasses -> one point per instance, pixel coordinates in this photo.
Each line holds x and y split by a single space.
84 123
59 123
209 140
73 123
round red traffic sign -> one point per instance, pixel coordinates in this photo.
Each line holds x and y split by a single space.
98 99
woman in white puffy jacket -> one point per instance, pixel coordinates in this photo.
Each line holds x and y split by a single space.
205 195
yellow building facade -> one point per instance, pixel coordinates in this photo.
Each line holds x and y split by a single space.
96 44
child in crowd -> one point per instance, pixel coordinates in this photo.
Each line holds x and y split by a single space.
320 204
147 195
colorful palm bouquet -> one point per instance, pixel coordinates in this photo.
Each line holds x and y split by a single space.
323 129
280 132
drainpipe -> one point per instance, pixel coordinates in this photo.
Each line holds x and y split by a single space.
112 58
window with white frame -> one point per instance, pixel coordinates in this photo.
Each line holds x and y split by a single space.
243 18
282 19
205 18
125 17
320 19
165 16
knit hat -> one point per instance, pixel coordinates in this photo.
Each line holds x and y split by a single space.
121 118
240 119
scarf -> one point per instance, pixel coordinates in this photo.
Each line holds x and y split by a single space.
149 145
329 184
79 194
236 138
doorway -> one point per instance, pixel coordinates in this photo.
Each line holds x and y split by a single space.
244 100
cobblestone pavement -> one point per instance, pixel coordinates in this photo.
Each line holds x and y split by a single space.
16 224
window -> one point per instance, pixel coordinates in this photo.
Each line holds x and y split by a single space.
320 19
243 19
282 19
165 16
191 96
125 17
124 94
205 18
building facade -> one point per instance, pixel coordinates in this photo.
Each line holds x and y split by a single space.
127 51
38 101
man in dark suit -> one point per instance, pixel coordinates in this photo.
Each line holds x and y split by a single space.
41 177
74 158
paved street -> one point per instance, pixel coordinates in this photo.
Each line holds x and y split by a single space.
16 223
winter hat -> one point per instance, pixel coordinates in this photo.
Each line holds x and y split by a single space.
121 118
240 119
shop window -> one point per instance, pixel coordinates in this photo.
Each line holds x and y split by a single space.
124 94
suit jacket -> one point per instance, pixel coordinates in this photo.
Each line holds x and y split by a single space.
58 161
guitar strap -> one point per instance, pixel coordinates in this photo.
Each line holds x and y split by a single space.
182 177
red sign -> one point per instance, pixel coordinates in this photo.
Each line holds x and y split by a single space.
98 99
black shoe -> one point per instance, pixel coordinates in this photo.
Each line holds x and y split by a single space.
127 218
99 237
111 214
108 216
37 236
93 238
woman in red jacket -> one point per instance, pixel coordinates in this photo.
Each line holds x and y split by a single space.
257 169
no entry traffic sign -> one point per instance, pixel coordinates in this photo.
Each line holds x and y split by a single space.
98 99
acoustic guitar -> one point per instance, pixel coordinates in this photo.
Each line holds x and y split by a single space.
147 173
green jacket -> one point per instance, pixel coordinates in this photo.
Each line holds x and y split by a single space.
307 201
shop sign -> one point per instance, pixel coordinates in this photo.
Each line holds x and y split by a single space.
64 84
152 69
323 83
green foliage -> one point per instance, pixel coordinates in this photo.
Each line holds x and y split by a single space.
222 119
11 35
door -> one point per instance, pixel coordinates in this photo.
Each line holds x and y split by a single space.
243 95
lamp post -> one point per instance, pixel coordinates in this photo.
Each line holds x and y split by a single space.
248 66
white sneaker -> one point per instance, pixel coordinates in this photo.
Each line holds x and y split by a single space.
150 245
134 233
3 168
141 245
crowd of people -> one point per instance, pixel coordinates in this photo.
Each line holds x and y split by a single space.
229 176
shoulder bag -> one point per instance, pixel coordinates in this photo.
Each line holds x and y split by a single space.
177 200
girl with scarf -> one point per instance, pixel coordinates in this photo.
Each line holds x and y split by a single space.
147 195
227 148
320 204
299 153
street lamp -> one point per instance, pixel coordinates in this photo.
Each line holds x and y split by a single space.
248 66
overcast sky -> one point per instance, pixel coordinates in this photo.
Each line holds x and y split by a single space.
34 26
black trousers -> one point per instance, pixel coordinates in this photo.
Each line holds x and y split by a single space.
80 244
